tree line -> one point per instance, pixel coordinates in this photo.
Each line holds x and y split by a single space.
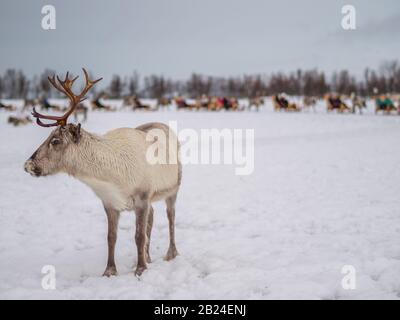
14 84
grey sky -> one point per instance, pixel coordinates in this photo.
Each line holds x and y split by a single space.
177 37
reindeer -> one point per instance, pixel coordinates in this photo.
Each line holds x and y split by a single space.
309 102
29 103
46 105
163 102
7 107
357 103
115 167
81 109
257 102
19 121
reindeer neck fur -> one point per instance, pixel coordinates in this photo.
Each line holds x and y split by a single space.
107 164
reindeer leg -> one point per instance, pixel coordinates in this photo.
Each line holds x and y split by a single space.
148 233
142 209
112 217
172 252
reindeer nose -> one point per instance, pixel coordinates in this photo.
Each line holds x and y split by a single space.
28 165
32 169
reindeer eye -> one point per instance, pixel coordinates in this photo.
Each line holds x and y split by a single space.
55 142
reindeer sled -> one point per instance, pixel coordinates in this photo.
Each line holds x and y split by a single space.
384 104
182 104
134 103
226 104
98 105
335 103
281 103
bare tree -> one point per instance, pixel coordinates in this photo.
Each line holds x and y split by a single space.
14 84
134 84
116 87
157 86
1 87
22 85
44 86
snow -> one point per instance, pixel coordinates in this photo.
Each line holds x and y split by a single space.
324 194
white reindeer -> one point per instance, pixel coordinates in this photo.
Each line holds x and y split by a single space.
115 166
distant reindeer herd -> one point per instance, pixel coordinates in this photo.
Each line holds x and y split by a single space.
115 165
385 104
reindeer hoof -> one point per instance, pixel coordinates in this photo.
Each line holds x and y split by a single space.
171 254
110 271
139 271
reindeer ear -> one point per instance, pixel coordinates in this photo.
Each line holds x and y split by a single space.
75 132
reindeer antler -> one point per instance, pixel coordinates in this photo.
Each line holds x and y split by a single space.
65 86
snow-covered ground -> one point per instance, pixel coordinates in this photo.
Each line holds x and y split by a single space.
324 194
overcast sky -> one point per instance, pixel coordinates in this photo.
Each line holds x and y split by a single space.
178 37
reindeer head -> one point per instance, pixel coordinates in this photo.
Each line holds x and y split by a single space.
48 158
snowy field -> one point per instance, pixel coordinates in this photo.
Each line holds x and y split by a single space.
325 193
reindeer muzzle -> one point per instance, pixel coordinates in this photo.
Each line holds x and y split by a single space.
32 169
